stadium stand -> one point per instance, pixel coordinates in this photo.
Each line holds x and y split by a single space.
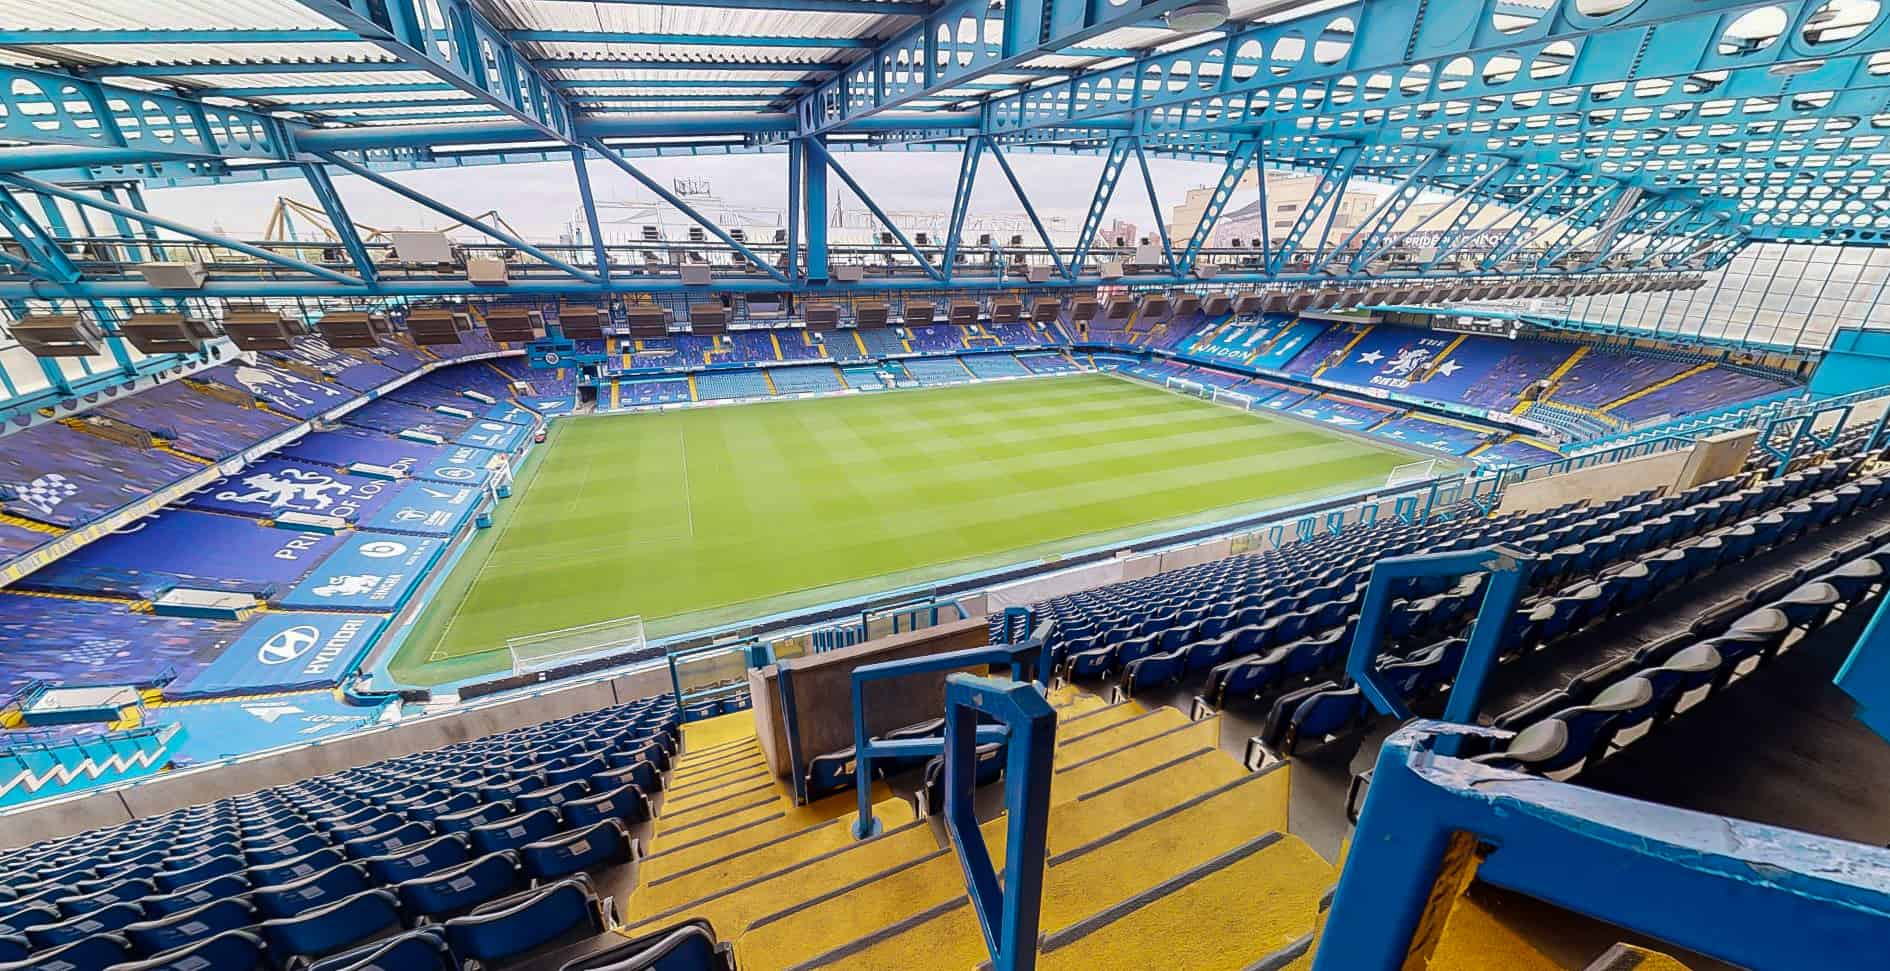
805 380
882 342
653 391
949 370
714 385
987 366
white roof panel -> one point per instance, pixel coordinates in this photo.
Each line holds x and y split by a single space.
159 15
659 19
206 53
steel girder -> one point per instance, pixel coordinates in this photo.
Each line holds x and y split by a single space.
1319 205
1238 162
1113 165
958 42
466 52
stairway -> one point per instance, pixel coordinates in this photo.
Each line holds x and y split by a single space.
1152 829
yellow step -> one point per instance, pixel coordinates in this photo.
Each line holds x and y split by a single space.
1080 881
1078 742
719 836
707 734
696 773
1138 754
1250 907
720 790
1475 936
1627 957
734 889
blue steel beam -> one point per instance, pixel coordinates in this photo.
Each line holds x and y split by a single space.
342 226
819 151
1616 199
480 61
583 179
937 54
1113 164
77 198
961 200
167 70
1370 235
687 210
86 113
1654 38
1155 207
43 253
683 40
1322 202
1239 161
1030 211
449 212
304 35
661 64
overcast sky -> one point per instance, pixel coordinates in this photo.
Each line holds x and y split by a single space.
540 200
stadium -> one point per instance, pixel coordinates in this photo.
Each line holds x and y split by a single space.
687 485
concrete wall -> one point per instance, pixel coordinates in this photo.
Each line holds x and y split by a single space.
1716 457
190 787
1597 483
823 691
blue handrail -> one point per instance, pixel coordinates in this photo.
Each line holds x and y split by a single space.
1753 895
1027 659
1007 912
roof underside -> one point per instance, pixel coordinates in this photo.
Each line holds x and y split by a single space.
1762 119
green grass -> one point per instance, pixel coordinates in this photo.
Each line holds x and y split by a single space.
704 516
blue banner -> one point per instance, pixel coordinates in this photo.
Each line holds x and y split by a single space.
185 547
283 651
562 405
510 413
227 729
371 571
432 508
458 464
496 435
274 486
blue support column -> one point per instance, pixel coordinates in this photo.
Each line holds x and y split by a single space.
961 200
457 216
42 250
1508 571
815 148
1323 202
583 176
338 218
1113 164
1238 163
46 188
1030 211
791 261
813 176
687 210
1155 206
1008 911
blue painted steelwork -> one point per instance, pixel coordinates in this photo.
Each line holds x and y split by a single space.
1030 211
686 209
443 209
338 220
1748 894
1507 570
1008 911
1319 205
583 178
48 189
961 200
1865 675
1113 164
1155 206
1806 428
1022 658
814 148
1238 162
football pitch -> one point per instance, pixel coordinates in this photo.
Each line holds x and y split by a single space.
705 516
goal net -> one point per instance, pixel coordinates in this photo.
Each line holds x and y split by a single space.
550 649
1235 399
1413 472
1186 386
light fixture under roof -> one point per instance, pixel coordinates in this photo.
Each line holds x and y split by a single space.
1198 16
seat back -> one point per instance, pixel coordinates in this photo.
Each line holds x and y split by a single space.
458 889
328 929
519 923
598 844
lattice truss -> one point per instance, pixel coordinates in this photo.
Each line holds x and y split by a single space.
1615 135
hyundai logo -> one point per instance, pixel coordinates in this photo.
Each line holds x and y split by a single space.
288 644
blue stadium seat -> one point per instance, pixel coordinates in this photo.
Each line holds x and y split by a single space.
575 851
466 821
421 950
390 841
457 889
690 946
418 859
289 871
102 920
314 891
93 953
154 937
327 929
511 926
215 866
1562 743
230 884
515 831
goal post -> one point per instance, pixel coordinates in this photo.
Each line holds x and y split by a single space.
550 649
1186 386
1412 472
1234 399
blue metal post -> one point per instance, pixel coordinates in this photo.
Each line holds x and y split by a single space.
792 261
1508 570
687 210
325 193
961 200
813 176
821 152
583 175
1029 210
1007 912
457 216
1155 206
